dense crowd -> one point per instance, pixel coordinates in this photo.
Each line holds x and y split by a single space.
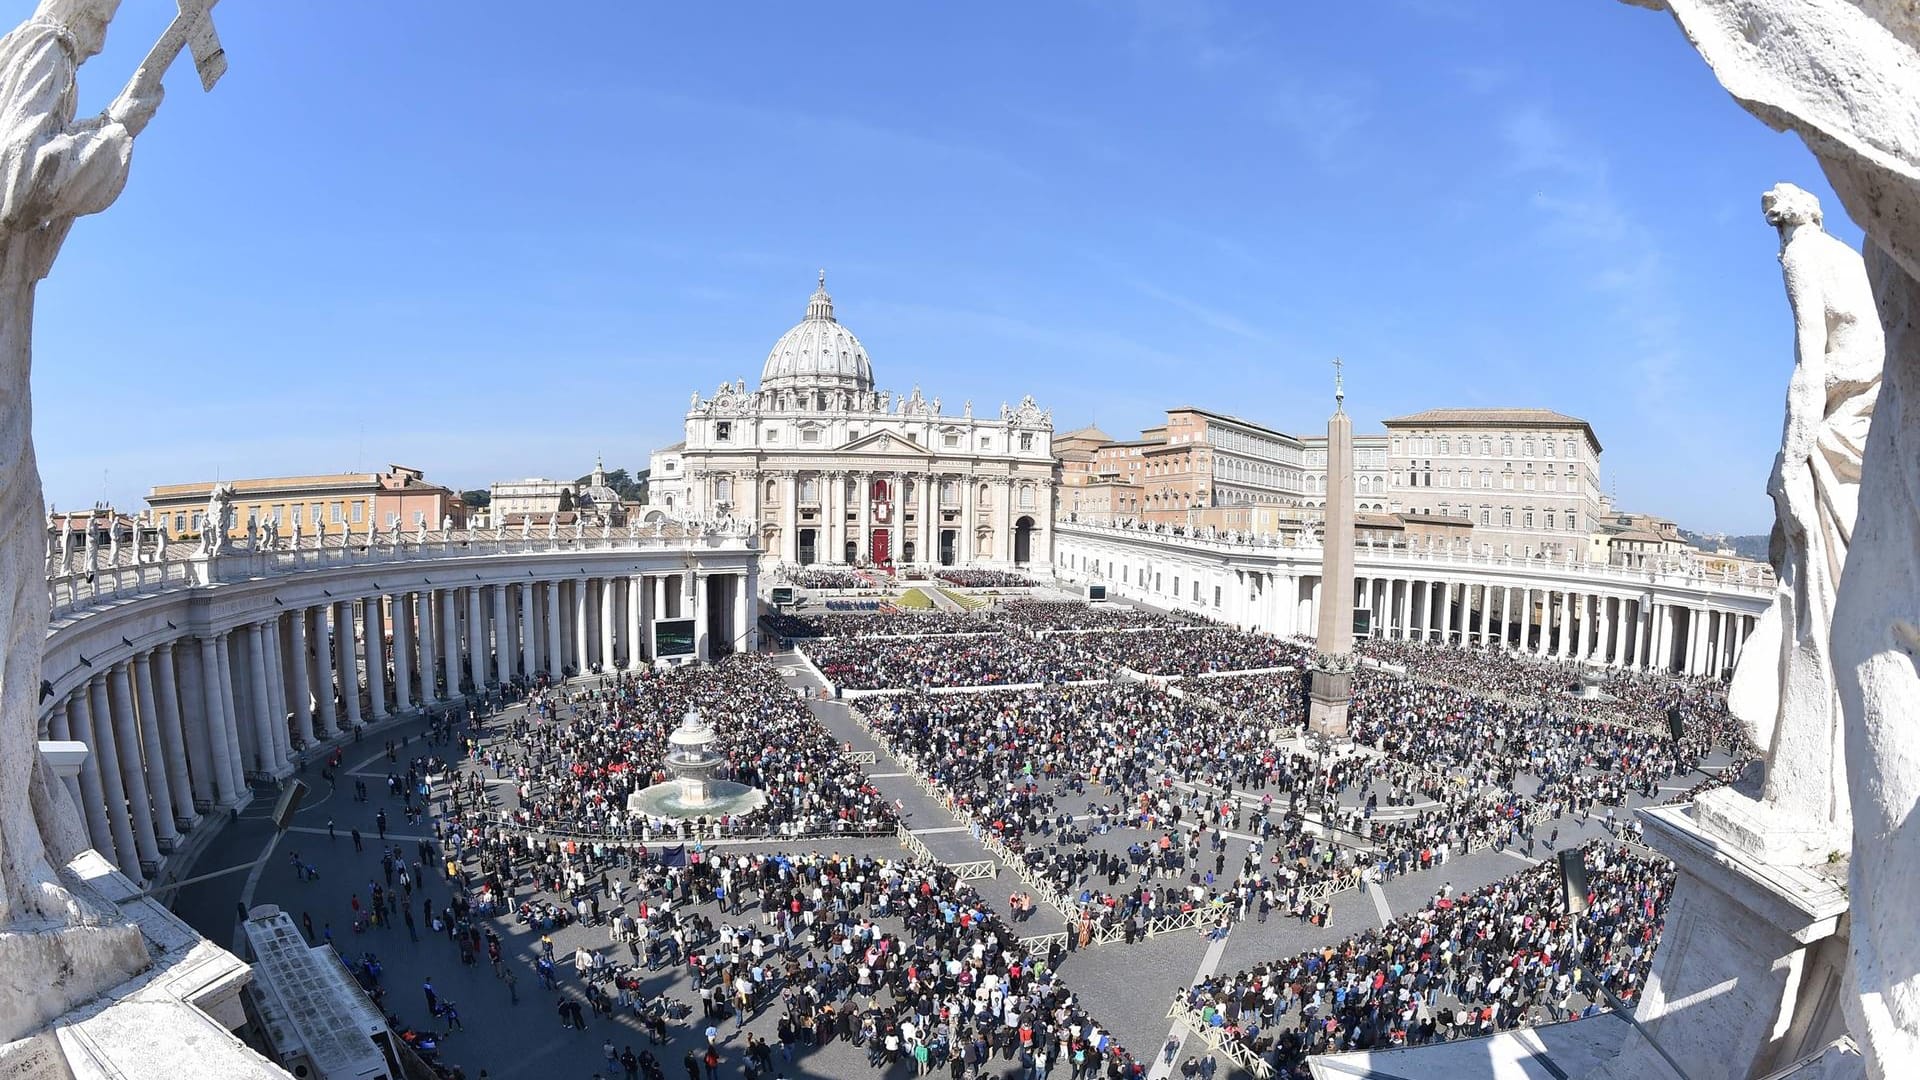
574 756
1074 615
890 623
1269 697
1494 959
920 663
984 579
811 577
1188 652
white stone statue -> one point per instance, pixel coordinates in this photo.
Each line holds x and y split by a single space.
446 523
54 948
218 519
1784 687
553 526
1845 76
526 526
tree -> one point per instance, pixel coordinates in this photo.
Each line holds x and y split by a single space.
476 498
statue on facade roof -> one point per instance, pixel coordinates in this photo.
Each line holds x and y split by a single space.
218 519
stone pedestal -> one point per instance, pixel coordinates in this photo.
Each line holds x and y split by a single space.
1751 968
1331 693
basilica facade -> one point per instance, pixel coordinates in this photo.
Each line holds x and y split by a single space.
832 471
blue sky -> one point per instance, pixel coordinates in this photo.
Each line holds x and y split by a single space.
466 237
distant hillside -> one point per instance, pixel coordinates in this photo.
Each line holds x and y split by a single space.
1751 547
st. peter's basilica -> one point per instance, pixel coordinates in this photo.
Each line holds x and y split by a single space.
833 471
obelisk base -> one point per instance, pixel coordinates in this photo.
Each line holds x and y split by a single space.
1330 695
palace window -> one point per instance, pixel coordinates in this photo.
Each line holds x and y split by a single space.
1486 478
1486 516
1573 522
1528 518
1506 518
1547 448
723 431
1486 447
1573 449
950 441
1506 447
773 434
1026 440
336 511
1526 448
809 490
810 435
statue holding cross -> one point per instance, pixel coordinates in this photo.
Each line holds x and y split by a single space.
54 167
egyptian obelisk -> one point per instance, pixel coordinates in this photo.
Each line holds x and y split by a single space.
1333 646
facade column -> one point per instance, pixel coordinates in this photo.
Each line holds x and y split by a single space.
449 644
402 651
476 638
863 507
1003 525
173 741
93 798
504 654
125 854
790 517
963 552
265 746
376 649
299 692
133 771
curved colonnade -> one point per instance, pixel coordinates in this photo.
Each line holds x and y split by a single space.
190 676
1692 623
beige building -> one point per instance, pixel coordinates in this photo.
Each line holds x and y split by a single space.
537 500
328 503
1527 479
831 470
1369 474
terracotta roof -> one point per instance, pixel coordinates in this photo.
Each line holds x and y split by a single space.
1231 419
1378 521
1436 519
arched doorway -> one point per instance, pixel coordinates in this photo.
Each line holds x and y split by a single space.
1023 541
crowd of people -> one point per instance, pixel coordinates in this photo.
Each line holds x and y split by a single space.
576 754
1191 651
814 577
890 622
984 579
1496 958
1074 615
901 663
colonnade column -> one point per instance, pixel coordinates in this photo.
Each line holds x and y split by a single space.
608 643
60 729
376 648
696 587
125 854
504 654
449 643
554 664
173 741
93 799
1406 609
636 600
224 793
299 691
1566 626
403 644
346 661
580 643
126 733
264 744
159 761
476 638
529 626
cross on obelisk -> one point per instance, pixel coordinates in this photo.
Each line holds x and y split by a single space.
1333 646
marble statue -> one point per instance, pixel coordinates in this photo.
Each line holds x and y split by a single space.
446 523
1784 688
219 517
526 526
56 947
1844 75
553 526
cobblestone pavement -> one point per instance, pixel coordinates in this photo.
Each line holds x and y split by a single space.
1124 987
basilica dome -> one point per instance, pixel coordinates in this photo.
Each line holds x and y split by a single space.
818 353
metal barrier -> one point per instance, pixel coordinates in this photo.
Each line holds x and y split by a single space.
973 871
860 757
1218 1039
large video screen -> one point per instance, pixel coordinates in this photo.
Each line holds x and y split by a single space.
1362 623
783 594
1096 593
672 637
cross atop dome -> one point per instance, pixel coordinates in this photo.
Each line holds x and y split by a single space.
820 305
